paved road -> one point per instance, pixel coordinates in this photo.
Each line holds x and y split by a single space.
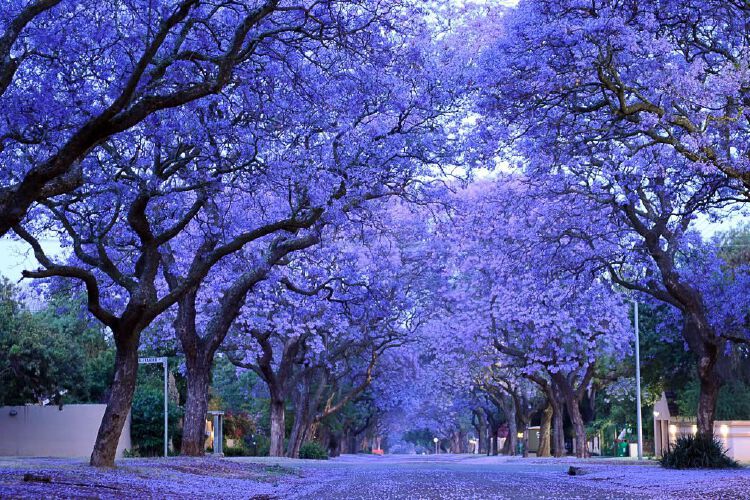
364 477
449 477
478 477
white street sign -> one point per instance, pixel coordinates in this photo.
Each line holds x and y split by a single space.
151 360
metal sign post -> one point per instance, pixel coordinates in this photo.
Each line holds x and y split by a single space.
147 361
639 419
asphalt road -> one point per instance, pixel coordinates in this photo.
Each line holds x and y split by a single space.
443 477
365 477
479 477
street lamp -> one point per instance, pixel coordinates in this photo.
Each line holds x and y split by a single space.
435 440
638 381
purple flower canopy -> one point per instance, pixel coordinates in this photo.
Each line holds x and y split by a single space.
293 184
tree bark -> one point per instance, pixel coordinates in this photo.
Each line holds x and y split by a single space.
510 412
481 433
196 407
118 405
709 394
277 428
493 427
545 432
558 431
574 411
300 429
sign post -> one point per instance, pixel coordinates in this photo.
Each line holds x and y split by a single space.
148 361
639 419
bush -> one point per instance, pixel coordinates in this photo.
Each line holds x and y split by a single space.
236 451
697 452
147 424
263 446
313 450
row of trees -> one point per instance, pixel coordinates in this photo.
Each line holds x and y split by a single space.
184 152
229 176
624 129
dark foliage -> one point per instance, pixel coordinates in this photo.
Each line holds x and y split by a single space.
313 450
697 452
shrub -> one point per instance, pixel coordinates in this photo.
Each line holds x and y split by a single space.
236 451
238 425
313 450
262 446
147 424
697 452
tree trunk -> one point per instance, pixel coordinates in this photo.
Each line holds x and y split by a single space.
277 428
333 444
118 405
494 444
558 429
300 434
579 429
709 394
558 432
512 436
196 407
481 428
510 413
545 432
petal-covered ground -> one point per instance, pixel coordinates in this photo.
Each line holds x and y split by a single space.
365 477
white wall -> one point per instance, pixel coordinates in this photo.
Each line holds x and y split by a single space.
46 431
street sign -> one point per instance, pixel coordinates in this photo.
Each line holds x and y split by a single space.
151 360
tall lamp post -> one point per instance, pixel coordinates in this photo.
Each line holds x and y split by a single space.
435 440
638 381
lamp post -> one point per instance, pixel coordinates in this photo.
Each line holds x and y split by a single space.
638 381
435 440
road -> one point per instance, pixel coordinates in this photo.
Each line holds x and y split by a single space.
470 476
363 477
441 477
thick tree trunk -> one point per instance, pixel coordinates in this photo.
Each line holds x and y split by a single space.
510 413
558 432
574 411
458 443
545 432
580 433
300 433
481 428
277 428
118 405
352 443
709 394
196 407
579 429
702 340
494 439
512 436
334 441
